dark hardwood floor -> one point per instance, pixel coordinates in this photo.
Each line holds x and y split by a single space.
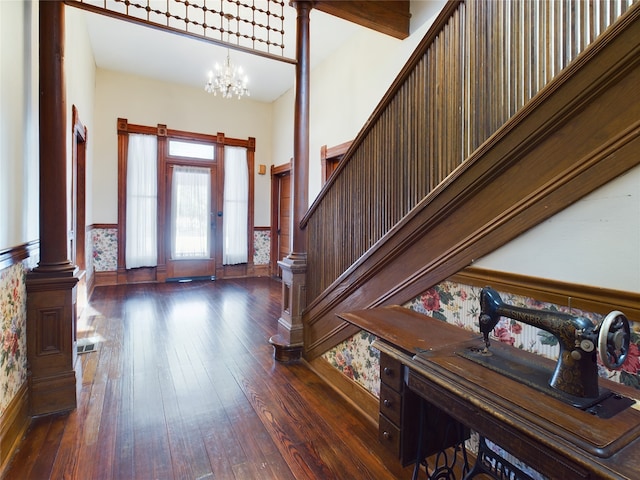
183 385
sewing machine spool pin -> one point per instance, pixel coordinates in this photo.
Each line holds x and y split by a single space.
576 372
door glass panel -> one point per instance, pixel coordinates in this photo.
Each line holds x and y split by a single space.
190 213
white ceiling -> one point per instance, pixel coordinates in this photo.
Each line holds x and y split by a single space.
149 52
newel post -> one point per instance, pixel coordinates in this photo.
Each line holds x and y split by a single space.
52 285
288 342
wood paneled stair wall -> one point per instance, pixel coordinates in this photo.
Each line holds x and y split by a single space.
506 113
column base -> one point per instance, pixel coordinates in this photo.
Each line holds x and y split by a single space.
284 352
289 339
51 342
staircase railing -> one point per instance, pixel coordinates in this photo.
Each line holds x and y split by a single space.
477 67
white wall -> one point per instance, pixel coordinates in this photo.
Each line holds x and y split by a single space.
147 102
19 151
80 68
594 242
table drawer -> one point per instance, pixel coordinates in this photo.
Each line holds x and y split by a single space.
389 435
391 372
390 403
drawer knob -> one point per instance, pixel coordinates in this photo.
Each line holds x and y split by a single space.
387 403
388 371
386 435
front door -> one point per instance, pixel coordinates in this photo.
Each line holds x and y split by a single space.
190 223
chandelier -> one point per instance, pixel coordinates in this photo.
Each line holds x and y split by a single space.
227 80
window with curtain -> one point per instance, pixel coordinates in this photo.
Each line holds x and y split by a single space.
190 205
141 248
236 206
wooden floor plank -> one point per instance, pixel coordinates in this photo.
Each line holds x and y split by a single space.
183 385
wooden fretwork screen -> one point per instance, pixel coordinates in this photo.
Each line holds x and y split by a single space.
256 26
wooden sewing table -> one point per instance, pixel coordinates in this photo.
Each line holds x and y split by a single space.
556 439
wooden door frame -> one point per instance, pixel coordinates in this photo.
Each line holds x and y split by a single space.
78 186
330 157
276 174
159 273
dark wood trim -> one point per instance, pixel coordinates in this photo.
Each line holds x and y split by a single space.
53 133
105 278
276 171
330 158
14 255
261 229
351 391
160 271
90 284
13 426
94 226
123 143
583 297
251 155
489 200
220 143
300 167
79 181
388 17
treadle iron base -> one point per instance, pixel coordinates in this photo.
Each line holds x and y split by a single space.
490 463
536 375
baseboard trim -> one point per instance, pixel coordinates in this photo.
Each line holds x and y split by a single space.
354 393
105 278
13 425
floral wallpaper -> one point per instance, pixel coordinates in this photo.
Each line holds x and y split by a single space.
13 339
458 304
261 247
104 242
105 249
358 360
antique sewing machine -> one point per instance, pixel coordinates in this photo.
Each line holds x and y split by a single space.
575 377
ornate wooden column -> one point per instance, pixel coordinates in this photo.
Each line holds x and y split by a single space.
51 286
288 342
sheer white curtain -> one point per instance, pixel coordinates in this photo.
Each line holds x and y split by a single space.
190 211
236 206
141 245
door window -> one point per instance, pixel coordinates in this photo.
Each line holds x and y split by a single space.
190 212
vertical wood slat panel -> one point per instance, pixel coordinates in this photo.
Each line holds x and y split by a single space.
487 61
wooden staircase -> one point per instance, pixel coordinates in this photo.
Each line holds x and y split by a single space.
489 129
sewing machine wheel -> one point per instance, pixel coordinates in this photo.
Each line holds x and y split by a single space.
613 340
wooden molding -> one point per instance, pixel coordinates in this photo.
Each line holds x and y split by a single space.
583 297
330 157
94 226
105 278
351 391
11 256
13 425
388 17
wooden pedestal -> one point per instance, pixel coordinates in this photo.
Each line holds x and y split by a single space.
51 343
